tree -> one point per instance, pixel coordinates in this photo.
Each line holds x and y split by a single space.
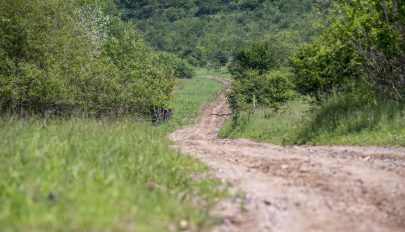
76 57
364 42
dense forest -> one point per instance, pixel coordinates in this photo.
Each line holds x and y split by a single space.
207 32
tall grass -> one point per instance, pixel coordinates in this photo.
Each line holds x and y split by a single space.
268 125
342 120
345 119
103 175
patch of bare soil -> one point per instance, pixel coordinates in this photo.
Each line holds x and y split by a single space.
298 188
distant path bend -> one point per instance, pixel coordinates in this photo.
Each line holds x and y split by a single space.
298 188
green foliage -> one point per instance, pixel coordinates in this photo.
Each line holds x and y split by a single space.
262 56
223 72
345 119
76 57
321 67
357 59
104 175
364 42
272 89
351 118
377 35
181 68
189 94
207 32
184 70
260 78
269 125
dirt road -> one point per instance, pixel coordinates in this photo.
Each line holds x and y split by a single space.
298 188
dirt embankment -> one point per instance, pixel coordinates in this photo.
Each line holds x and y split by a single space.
298 188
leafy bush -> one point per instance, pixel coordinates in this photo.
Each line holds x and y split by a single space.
261 56
364 42
182 69
272 89
321 68
76 57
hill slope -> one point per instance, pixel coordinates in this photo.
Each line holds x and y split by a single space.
207 32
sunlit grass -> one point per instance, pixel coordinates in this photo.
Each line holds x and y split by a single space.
103 175
339 120
223 72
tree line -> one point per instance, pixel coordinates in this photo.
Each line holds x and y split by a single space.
79 57
206 33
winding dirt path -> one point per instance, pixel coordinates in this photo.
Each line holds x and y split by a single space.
298 188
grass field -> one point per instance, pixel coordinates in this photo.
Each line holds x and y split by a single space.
216 73
104 175
340 121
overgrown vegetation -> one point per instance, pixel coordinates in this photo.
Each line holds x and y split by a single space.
78 57
353 74
110 175
341 120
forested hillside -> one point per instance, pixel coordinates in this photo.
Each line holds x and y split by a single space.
207 32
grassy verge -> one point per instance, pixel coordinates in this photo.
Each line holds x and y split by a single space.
103 175
216 73
342 120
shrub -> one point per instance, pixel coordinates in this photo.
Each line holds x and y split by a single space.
262 56
320 68
365 42
76 57
272 89
182 69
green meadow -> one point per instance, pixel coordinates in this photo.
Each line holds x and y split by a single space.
85 174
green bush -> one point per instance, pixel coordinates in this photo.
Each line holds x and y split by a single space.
271 89
182 69
321 68
262 56
364 42
76 57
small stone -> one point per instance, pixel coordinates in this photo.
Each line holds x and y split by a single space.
304 169
266 202
368 158
284 166
183 224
